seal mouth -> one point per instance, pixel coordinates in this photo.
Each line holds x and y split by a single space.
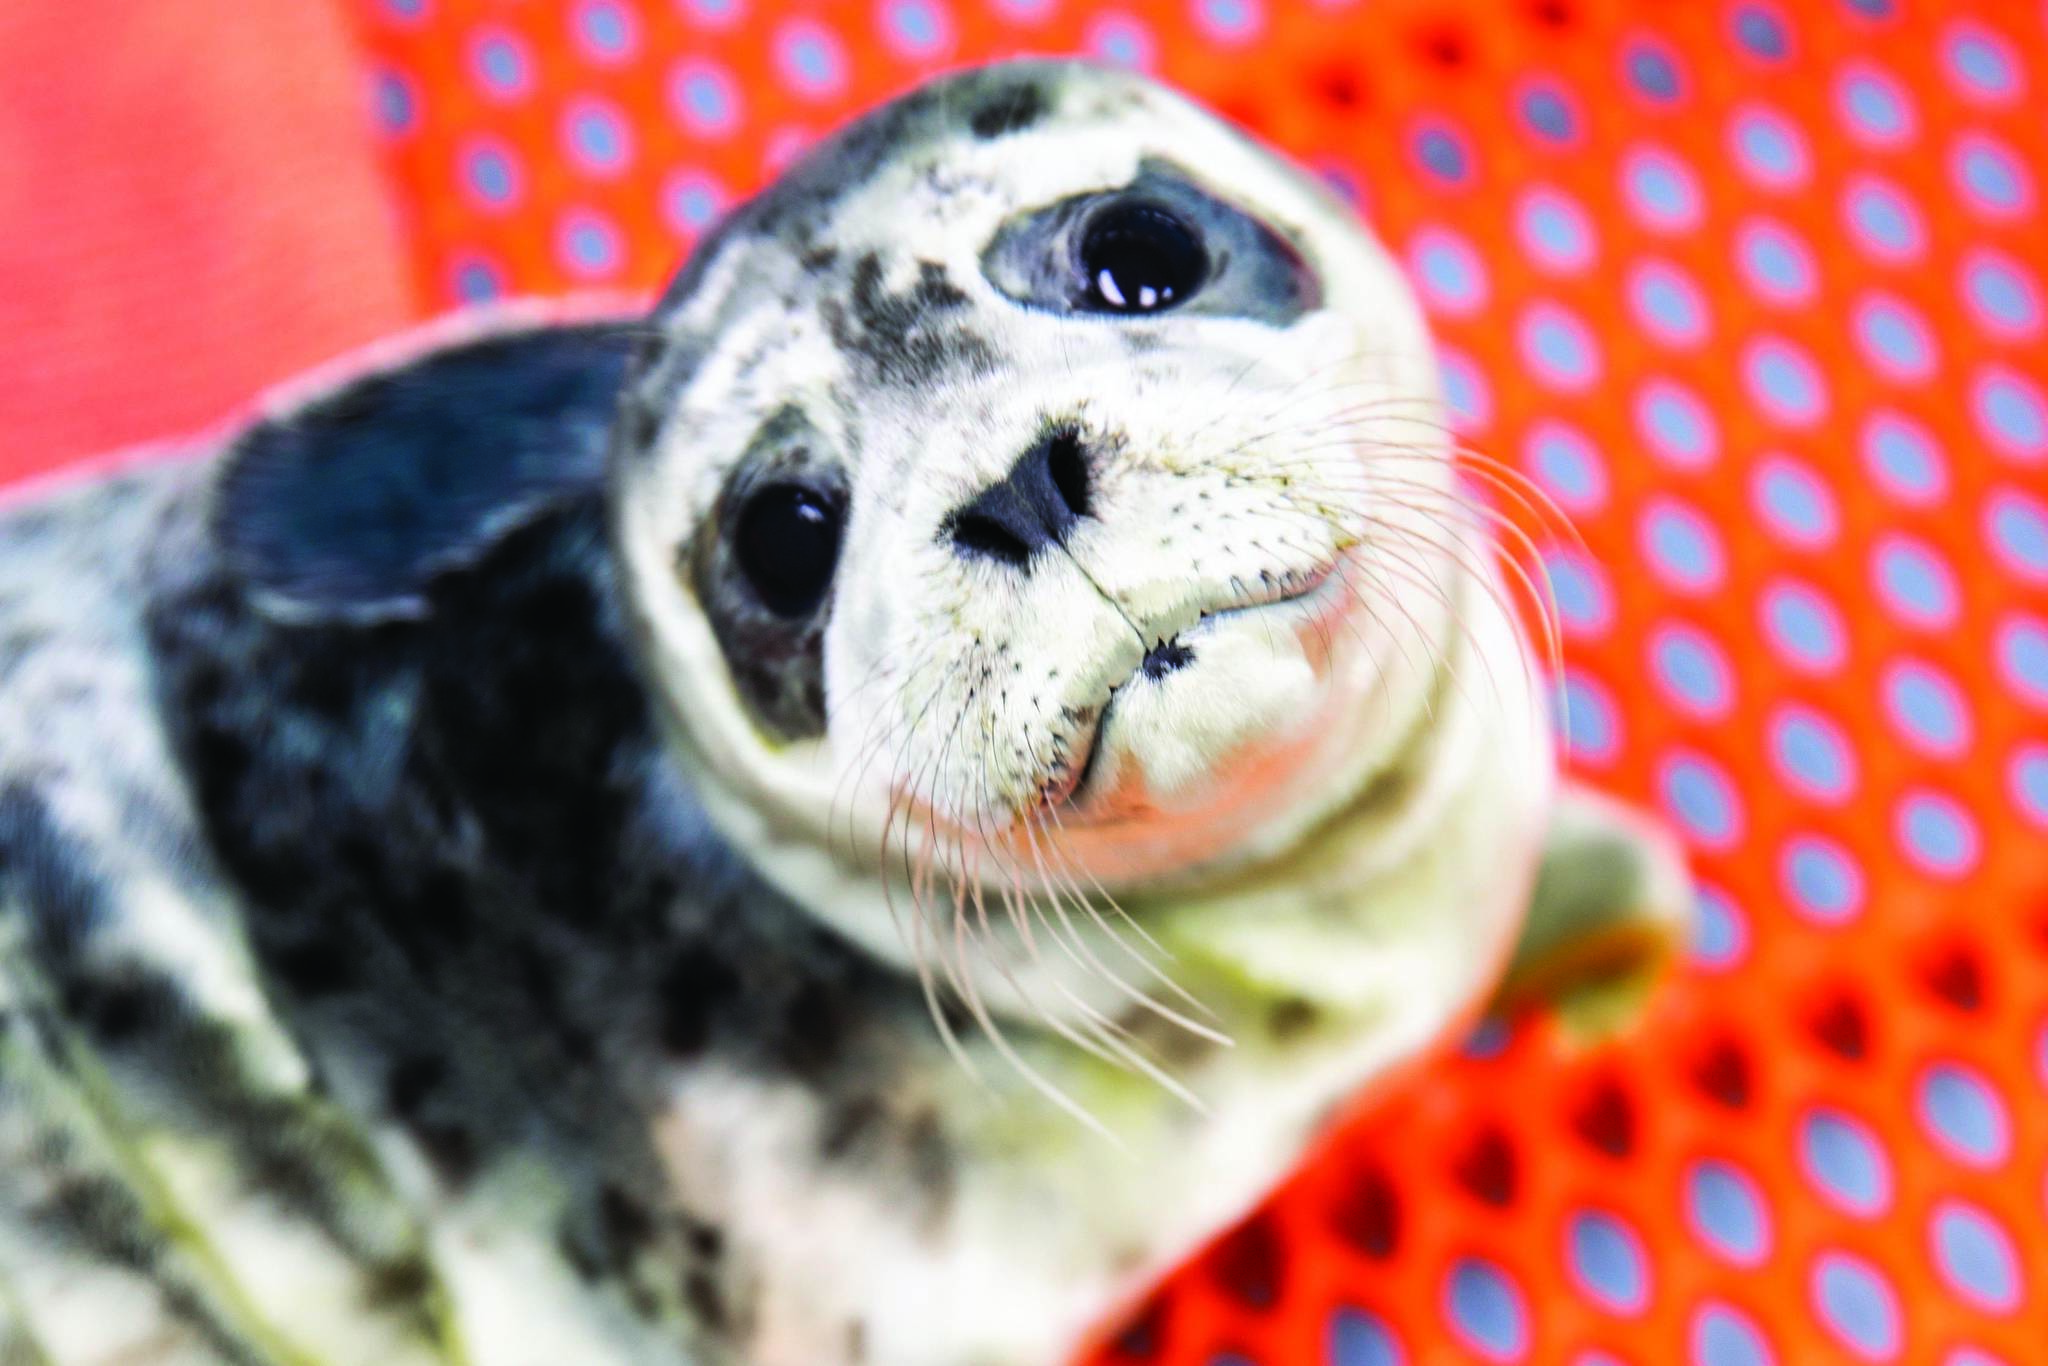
1166 658
1078 791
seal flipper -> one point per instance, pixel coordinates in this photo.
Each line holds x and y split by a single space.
1611 905
346 508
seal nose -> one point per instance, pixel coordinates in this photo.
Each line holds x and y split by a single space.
1034 506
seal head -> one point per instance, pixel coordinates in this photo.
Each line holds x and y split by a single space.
1039 492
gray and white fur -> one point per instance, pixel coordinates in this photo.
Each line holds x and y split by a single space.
447 913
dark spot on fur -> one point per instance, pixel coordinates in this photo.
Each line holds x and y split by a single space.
544 989
820 259
220 761
412 1092
815 1029
117 1010
441 905
102 1216
450 1147
1142 341
583 1258
848 1126
701 1292
627 1225
401 1282
691 995
1289 1018
932 1162
1008 109
315 966
707 1241
902 335
42 869
408 1084
332 693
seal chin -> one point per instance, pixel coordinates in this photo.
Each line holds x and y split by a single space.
1202 714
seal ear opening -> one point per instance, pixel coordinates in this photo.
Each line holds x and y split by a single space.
348 507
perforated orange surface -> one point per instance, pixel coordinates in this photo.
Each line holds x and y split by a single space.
1755 290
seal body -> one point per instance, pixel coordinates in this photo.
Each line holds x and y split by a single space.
854 819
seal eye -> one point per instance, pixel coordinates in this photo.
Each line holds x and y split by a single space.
1140 257
787 543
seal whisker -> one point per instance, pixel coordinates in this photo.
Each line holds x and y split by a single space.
921 965
1398 564
1137 996
869 749
1104 1039
992 1031
1528 496
1101 900
1541 603
1434 500
1013 890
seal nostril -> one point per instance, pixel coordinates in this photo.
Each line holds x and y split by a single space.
978 535
1069 469
1166 657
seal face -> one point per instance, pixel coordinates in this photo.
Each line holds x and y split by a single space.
1142 537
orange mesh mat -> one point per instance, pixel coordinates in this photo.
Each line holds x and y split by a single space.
1755 290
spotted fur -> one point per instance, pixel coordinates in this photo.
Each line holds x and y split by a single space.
444 917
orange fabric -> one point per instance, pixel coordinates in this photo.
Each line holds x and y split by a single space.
189 210
1754 289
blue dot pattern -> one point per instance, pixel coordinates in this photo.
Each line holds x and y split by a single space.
1974 1256
1607 1263
1963 1114
1752 292
1359 1339
1845 1163
1487 1311
1722 1336
1857 1305
1726 1211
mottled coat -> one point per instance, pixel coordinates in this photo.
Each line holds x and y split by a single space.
449 913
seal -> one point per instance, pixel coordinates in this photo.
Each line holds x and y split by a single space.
856 817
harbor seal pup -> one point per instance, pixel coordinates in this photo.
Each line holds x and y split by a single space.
854 818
